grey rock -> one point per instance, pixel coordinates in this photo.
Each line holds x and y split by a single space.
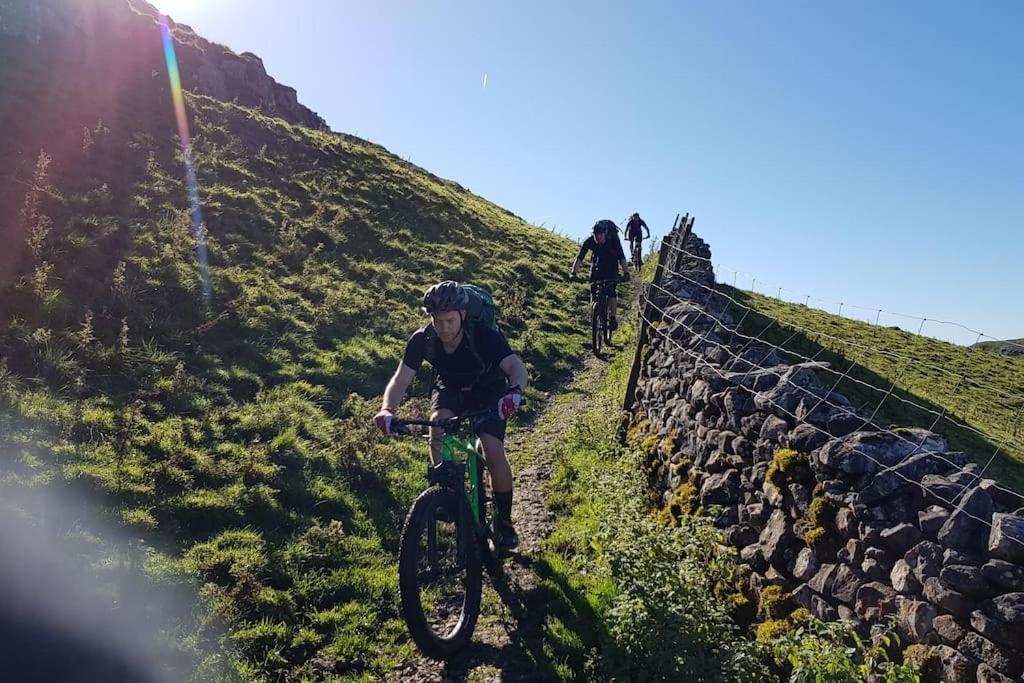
903 579
986 674
900 538
805 438
902 475
774 428
842 422
845 522
916 617
862 453
848 615
852 553
1006 540
873 570
753 555
822 610
1007 608
942 490
726 517
802 595
956 668
967 528
988 652
930 520
1010 635
874 601
741 536
947 599
1004 575
800 497
967 580
964 557
845 584
720 489
778 540
948 629
925 559
806 565
822 581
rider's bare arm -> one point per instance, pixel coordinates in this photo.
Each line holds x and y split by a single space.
515 370
394 393
576 266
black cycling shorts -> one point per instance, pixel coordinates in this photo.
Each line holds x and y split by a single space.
611 286
461 401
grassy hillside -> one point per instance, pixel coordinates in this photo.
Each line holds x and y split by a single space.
230 443
1010 347
925 370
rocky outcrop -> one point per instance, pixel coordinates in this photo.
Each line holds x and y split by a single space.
855 521
128 30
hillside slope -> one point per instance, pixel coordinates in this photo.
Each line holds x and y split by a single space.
983 392
226 443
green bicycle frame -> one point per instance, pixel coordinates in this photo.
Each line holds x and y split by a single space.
451 446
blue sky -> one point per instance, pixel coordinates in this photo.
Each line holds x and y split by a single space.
869 152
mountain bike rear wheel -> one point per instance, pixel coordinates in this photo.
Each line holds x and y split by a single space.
439 576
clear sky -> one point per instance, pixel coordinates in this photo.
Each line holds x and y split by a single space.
864 152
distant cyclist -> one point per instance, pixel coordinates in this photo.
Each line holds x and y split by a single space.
633 228
606 257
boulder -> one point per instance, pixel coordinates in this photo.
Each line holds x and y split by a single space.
931 519
845 584
925 559
806 565
967 580
956 668
778 540
874 601
967 527
1006 539
947 599
1007 608
865 453
1010 635
984 650
903 578
900 538
1004 575
916 617
948 629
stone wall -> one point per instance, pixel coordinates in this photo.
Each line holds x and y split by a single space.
128 29
852 520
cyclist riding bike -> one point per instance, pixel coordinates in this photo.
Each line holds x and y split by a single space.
476 369
606 258
633 230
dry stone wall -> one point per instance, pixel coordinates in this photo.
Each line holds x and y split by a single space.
849 518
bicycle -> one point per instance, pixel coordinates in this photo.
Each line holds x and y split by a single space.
445 541
636 249
600 331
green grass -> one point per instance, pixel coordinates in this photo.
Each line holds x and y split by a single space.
233 441
627 598
925 371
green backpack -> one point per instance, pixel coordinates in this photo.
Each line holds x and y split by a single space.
481 309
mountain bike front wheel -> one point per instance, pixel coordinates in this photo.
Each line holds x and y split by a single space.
439 576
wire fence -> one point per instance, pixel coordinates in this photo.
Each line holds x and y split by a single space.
734 365
837 307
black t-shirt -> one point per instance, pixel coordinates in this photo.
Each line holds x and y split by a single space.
633 228
468 365
604 264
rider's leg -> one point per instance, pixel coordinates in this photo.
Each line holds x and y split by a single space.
436 434
497 463
501 484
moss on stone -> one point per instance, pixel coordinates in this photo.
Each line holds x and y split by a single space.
775 603
784 461
769 630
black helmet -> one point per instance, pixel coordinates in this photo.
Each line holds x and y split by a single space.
604 226
445 296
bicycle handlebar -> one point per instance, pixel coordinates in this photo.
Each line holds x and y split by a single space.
401 426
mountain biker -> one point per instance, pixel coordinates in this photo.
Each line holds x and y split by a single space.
633 228
606 257
476 369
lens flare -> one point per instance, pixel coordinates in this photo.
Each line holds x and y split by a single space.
191 183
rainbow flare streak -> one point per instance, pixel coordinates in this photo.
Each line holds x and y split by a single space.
190 173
